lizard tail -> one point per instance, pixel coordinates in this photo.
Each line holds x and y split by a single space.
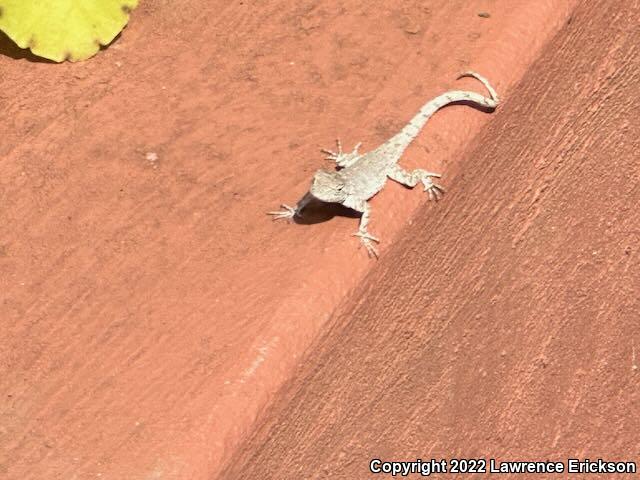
485 82
411 130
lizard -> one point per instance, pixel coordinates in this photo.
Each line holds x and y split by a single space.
358 177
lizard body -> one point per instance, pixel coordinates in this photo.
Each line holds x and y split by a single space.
361 176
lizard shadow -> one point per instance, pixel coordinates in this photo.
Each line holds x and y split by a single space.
318 212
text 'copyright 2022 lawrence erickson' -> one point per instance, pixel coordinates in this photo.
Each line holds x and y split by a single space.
455 466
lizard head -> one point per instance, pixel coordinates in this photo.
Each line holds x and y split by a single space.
328 187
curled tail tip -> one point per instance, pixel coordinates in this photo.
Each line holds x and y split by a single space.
485 82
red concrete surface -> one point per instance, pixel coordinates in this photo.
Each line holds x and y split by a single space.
150 310
504 323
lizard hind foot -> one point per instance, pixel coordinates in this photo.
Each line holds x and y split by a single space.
435 190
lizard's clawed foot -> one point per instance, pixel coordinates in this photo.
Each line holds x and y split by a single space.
366 239
286 212
343 159
435 190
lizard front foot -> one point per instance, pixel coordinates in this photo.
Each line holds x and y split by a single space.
435 190
343 159
366 239
286 212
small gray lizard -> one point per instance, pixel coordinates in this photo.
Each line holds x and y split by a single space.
358 177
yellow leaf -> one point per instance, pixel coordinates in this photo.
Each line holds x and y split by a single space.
64 29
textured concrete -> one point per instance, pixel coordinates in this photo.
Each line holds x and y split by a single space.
151 311
505 322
